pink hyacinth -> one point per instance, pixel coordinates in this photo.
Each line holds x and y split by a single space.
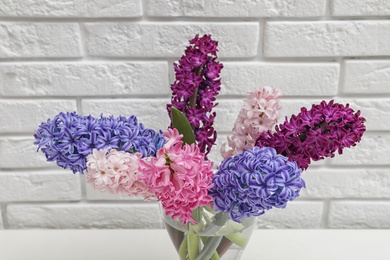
259 113
179 176
117 172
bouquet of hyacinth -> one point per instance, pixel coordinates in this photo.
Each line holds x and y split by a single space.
261 167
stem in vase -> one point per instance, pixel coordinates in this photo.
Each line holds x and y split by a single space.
209 248
224 246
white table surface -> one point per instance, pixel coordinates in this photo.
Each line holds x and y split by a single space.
155 244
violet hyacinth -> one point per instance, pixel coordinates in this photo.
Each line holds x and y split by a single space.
196 85
254 181
317 133
69 138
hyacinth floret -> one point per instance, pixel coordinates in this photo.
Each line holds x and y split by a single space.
116 171
254 181
196 85
69 138
259 113
317 133
179 176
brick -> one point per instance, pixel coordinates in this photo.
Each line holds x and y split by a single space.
39 186
360 7
297 214
149 39
327 38
26 115
20 152
346 183
366 76
31 40
359 214
71 8
92 194
215 154
372 150
92 78
151 112
227 112
299 79
75 216
244 8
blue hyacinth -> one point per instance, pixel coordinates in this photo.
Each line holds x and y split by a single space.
69 138
254 181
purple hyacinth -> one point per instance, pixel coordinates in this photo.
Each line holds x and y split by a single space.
254 181
195 88
69 138
316 133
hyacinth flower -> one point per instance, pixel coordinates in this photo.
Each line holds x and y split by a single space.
69 138
117 172
196 85
179 176
245 186
254 181
259 113
315 134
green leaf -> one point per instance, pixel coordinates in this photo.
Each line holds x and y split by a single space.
181 123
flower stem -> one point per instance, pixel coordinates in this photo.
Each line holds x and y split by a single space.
183 249
215 255
209 248
238 239
219 220
192 101
224 246
193 246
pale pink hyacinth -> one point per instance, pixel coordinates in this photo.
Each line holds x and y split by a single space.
117 172
179 176
260 112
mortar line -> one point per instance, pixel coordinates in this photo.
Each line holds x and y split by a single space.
191 19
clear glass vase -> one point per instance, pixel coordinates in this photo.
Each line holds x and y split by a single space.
215 237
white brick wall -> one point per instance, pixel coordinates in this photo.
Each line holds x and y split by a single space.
84 79
243 8
39 186
156 39
360 7
43 40
359 214
71 8
327 38
116 56
109 215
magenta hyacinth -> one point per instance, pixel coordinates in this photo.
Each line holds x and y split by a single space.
195 88
315 134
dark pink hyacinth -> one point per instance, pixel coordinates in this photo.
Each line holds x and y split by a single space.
315 134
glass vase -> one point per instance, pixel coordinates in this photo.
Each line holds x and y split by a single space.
215 237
